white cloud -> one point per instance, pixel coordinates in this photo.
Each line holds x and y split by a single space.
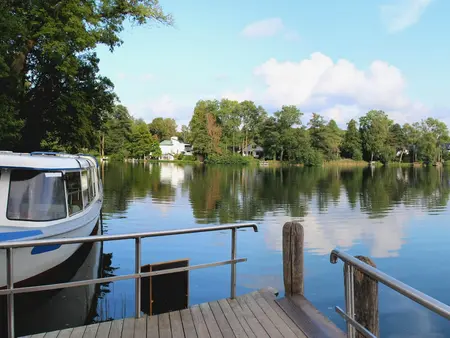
383 237
164 106
263 28
402 13
268 28
338 90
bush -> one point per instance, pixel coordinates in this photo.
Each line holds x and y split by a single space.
357 155
311 158
190 158
228 159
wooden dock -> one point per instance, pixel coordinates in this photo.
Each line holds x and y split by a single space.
258 314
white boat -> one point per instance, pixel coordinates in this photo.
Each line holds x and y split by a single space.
46 195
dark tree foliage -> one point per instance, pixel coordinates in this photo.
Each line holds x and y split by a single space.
51 92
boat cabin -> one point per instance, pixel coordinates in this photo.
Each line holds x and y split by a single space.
46 187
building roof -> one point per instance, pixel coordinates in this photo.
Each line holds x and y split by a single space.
251 148
166 143
45 161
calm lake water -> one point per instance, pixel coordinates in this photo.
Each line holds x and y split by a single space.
398 217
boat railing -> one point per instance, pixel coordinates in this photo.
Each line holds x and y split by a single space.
352 263
10 290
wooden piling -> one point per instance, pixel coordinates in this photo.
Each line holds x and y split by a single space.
366 299
293 237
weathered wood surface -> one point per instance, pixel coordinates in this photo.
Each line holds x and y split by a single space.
293 238
366 300
254 315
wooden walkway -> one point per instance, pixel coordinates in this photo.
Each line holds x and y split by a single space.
255 315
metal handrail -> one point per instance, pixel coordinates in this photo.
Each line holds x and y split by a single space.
10 291
415 295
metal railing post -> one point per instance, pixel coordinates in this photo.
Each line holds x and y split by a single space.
137 251
350 299
10 286
233 265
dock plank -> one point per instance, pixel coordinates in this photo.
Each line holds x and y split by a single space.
116 329
210 321
140 328
188 324
103 330
78 332
199 322
254 323
164 326
273 316
262 317
270 297
38 335
152 327
222 322
176 325
65 333
312 322
238 330
91 331
241 317
128 327
53 334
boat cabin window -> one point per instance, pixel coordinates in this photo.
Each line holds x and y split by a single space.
91 185
36 196
74 200
85 188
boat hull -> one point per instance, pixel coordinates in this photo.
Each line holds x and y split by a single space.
33 261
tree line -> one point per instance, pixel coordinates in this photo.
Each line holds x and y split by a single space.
225 127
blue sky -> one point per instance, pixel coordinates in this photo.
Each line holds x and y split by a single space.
338 58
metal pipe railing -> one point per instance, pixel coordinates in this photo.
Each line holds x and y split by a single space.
415 295
10 291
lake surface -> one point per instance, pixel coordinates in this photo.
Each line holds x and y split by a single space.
398 217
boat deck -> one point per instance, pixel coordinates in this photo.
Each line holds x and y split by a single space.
258 314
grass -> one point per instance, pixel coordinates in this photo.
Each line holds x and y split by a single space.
345 163
174 161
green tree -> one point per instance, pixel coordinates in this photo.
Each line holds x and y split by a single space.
374 128
272 137
49 70
285 119
229 115
163 128
351 145
412 136
434 135
252 119
142 144
325 137
398 140
203 127
118 128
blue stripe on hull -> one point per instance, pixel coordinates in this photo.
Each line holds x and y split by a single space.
10 236
44 248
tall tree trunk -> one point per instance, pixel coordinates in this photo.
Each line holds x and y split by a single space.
371 158
233 143
401 156
281 155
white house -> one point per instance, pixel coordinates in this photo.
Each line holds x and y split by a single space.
172 147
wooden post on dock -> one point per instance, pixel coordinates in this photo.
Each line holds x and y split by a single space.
293 237
366 300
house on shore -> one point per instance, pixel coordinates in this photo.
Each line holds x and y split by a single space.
173 147
255 151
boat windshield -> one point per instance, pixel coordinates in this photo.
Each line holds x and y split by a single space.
36 196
